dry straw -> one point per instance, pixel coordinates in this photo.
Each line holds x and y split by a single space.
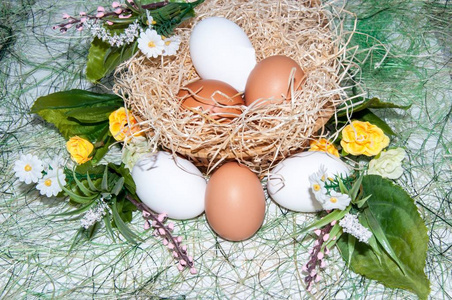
261 135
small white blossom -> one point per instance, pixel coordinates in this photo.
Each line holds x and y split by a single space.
328 199
133 150
151 43
93 215
388 164
317 181
128 36
350 224
335 200
171 45
28 168
49 185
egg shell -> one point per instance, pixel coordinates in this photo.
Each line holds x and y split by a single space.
212 96
165 185
288 183
271 78
221 50
235 202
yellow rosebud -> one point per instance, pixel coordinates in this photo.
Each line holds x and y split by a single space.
363 138
80 149
323 145
123 124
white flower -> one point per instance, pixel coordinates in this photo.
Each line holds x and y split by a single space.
93 215
151 43
336 200
171 45
49 185
53 164
388 164
28 168
317 181
350 224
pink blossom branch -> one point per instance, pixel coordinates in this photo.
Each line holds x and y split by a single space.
317 256
178 250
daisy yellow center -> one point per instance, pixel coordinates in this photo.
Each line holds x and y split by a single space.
151 44
48 182
333 199
316 187
167 43
27 168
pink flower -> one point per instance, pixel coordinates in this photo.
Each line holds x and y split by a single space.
110 23
100 9
147 225
326 237
100 15
317 232
66 16
82 13
320 255
115 4
180 267
118 11
193 271
125 17
171 226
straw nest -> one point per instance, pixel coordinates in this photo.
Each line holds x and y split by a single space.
261 135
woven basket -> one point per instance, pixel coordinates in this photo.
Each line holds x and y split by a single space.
261 135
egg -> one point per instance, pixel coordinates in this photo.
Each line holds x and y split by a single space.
212 96
221 50
172 186
288 183
235 202
271 78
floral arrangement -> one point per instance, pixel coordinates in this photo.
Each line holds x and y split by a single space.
371 220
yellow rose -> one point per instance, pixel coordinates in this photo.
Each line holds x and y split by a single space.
363 138
123 124
323 145
80 149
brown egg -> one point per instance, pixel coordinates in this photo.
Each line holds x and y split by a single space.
270 78
210 95
234 202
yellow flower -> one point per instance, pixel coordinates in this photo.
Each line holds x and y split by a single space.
323 145
363 138
80 149
123 124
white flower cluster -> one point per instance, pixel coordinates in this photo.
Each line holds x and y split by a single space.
128 36
48 174
327 198
351 225
94 215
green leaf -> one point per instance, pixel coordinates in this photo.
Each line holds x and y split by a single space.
57 108
366 103
91 115
333 216
367 115
95 69
125 173
406 234
130 236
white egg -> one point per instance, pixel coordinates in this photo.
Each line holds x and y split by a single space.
288 183
221 50
166 185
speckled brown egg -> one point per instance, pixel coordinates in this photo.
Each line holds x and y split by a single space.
270 78
234 202
212 96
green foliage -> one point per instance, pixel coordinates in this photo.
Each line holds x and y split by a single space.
104 58
362 111
107 184
80 113
396 257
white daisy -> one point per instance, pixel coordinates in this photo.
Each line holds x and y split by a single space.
49 185
171 45
28 168
336 200
53 164
151 43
